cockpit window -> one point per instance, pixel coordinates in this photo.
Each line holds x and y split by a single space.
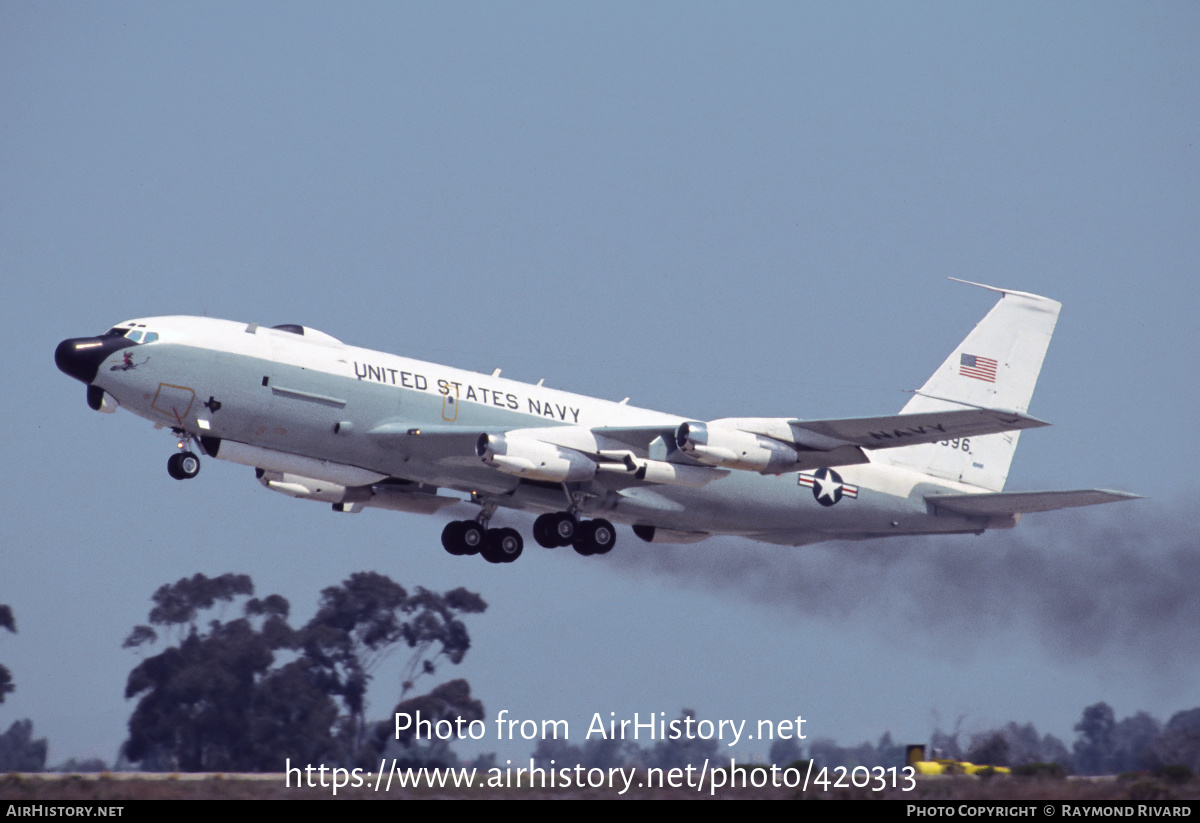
294 328
134 334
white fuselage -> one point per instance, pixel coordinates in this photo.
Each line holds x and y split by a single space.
328 404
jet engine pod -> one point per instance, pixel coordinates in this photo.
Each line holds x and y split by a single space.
526 457
690 435
732 448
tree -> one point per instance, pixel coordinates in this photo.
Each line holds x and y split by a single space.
6 622
1131 738
605 752
1108 747
784 752
886 754
449 701
682 752
989 749
1179 743
243 694
1010 745
1025 746
1093 748
19 752
216 702
360 622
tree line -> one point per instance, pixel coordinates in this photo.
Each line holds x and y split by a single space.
237 694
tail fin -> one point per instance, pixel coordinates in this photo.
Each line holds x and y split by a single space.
995 367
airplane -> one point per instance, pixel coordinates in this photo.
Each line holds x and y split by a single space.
320 420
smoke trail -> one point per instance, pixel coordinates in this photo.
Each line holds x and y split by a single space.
1084 584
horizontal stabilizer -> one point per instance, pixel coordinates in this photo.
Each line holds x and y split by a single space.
987 505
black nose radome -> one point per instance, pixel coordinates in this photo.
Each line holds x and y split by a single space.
80 357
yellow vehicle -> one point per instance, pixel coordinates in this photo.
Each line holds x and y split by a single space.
915 756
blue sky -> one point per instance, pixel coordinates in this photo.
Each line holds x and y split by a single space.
715 209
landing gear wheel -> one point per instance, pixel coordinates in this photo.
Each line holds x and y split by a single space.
462 537
183 466
543 531
503 546
473 537
452 538
561 527
601 535
595 537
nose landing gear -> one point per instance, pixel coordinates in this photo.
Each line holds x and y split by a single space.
184 464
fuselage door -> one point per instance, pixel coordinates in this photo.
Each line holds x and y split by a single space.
450 404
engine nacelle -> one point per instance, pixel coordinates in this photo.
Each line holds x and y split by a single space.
525 457
733 448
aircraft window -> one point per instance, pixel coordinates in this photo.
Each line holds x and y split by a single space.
115 331
151 336
135 336
291 327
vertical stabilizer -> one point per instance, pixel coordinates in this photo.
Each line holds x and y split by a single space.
995 367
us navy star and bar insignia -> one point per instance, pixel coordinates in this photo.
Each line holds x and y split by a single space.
827 485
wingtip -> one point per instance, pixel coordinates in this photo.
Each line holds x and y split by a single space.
1005 292
1119 496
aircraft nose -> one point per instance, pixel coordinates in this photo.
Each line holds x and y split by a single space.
80 357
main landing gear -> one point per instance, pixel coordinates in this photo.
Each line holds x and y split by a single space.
184 464
471 537
462 537
563 529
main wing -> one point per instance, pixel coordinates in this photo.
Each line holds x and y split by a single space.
692 453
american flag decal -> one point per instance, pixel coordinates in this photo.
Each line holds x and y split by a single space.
981 368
